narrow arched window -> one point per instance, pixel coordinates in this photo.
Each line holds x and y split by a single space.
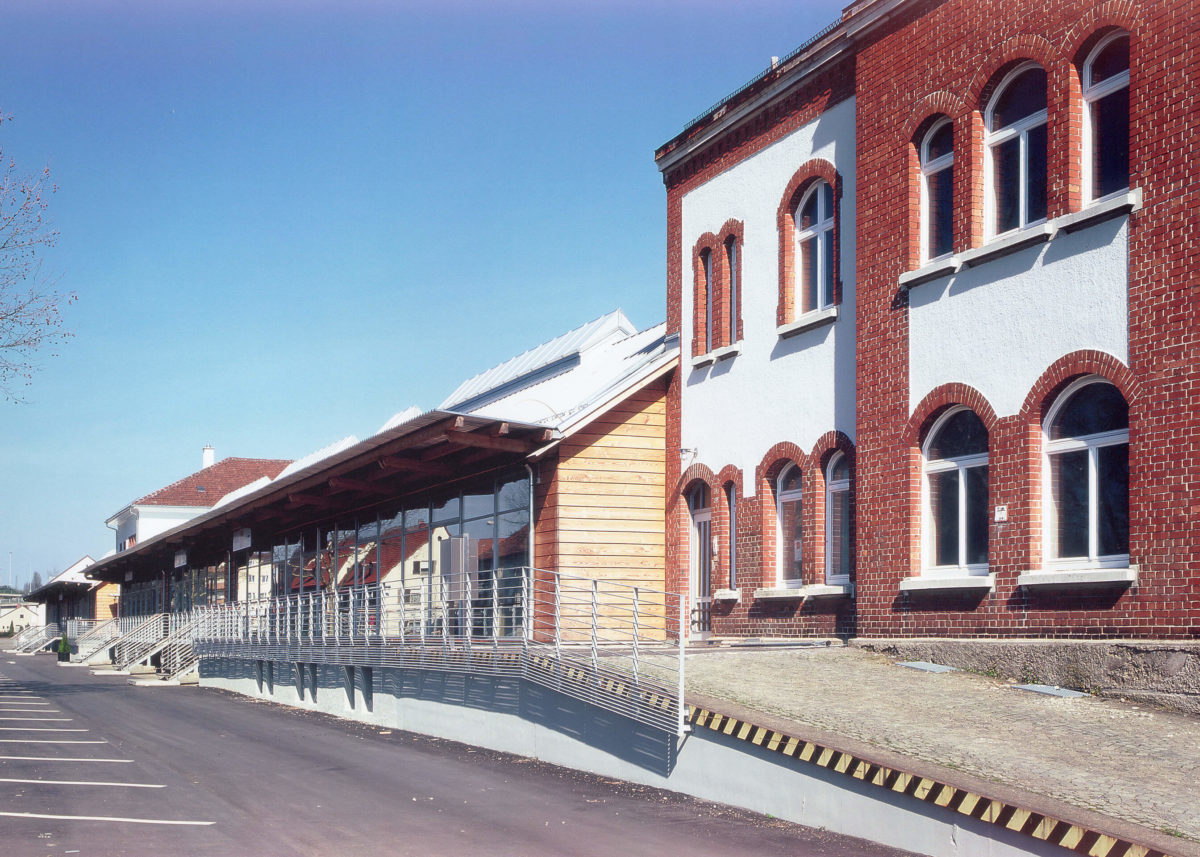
937 191
837 520
1106 125
706 264
956 494
1087 476
1016 150
700 507
731 505
814 246
734 293
789 544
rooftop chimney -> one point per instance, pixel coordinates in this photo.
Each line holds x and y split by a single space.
208 455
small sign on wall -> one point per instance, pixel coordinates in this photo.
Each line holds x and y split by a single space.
241 539
181 559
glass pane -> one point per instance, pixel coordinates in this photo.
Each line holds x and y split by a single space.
840 469
826 201
941 142
1112 470
790 546
809 273
1024 96
1069 497
514 539
963 433
1095 408
943 509
478 503
445 510
1006 181
976 479
514 494
1110 143
827 268
790 479
1113 60
939 224
808 213
731 259
698 498
839 533
1036 209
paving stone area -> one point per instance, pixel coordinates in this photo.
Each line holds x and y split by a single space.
1127 761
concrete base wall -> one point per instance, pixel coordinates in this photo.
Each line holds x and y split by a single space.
523 718
1163 673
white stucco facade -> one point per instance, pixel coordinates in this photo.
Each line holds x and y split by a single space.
776 389
999 326
145 521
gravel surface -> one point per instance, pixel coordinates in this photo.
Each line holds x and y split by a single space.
1135 763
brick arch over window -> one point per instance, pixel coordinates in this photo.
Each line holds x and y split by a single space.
938 400
827 446
696 473
1066 369
700 300
813 171
1098 21
1003 58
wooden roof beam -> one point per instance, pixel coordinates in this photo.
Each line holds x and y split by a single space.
484 441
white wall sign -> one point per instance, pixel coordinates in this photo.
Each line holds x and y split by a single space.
241 539
180 558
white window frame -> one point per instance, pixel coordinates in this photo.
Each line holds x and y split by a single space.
929 468
1092 93
832 487
825 222
993 138
930 168
781 497
1092 443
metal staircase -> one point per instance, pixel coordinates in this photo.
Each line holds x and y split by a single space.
177 656
95 639
35 638
141 642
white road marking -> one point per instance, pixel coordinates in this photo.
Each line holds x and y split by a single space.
44 741
83 783
106 818
38 729
60 759
43 719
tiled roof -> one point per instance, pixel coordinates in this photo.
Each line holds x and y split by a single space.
205 487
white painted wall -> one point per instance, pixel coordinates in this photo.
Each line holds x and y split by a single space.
997 327
794 389
148 521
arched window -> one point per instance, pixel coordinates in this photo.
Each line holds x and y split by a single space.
706 268
1016 150
731 505
937 191
837 520
814 247
956 494
700 507
733 295
1106 125
1087 476
788 496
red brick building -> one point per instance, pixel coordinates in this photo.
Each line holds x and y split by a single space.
935 286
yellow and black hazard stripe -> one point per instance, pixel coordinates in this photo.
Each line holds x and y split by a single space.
1081 840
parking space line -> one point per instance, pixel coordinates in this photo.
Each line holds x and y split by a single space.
45 741
61 759
83 783
106 818
39 729
42 719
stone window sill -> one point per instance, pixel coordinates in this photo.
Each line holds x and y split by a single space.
716 355
727 595
1077 578
1095 212
808 321
799 593
966 582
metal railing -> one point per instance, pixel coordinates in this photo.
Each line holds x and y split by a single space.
95 639
177 653
76 628
613 644
142 640
35 638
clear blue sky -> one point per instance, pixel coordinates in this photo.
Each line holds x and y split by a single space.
286 221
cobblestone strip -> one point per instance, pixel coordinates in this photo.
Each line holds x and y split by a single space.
1081 840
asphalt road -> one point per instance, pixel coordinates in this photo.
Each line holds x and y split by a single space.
90 765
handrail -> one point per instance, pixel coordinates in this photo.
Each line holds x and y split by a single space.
40 637
617 644
139 642
96 639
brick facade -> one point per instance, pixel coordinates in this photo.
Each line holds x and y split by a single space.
935 59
